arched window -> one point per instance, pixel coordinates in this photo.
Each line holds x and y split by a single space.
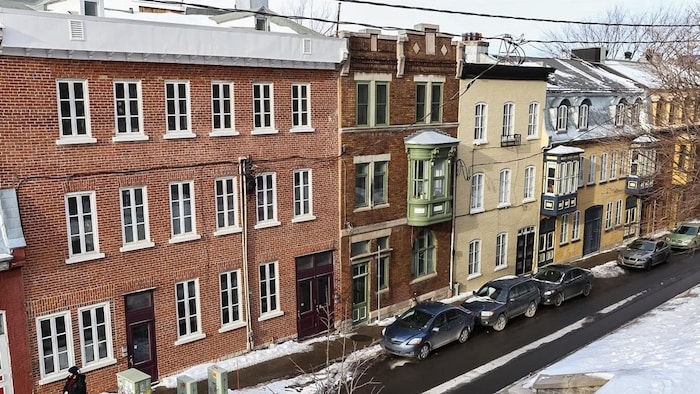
620 110
480 122
423 254
532 119
583 110
477 197
637 112
508 118
562 115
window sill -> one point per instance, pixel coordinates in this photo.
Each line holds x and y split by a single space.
383 290
227 230
563 243
176 135
501 268
480 142
266 224
129 137
97 365
76 140
302 129
137 246
263 131
224 133
424 277
270 315
575 240
474 276
304 218
232 326
474 211
532 137
503 205
184 238
85 257
190 338
54 377
528 200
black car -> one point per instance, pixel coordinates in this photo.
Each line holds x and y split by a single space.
558 283
502 299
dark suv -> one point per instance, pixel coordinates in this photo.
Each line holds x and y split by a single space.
502 299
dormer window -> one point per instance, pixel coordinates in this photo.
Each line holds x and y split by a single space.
92 7
620 113
562 115
261 23
583 110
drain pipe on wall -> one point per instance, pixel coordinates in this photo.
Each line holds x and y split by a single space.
242 174
454 286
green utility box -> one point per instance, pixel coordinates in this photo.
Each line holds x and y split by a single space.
218 380
133 381
186 385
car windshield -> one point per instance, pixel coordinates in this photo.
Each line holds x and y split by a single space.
646 246
549 275
414 318
494 293
686 230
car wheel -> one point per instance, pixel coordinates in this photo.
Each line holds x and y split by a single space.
531 309
500 323
423 352
464 335
587 289
558 299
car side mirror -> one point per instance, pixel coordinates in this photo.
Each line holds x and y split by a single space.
436 329
512 299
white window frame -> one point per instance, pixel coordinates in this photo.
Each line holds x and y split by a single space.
261 123
501 251
529 184
618 213
190 333
371 163
225 204
576 226
99 7
220 87
229 292
98 362
58 373
74 257
613 166
132 209
508 119
608 215
182 219
562 117
603 167
477 193
262 199
128 134
504 188
533 119
480 123
178 131
272 291
474 262
583 111
301 108
303 207
620 113
591 170
72 102
564 229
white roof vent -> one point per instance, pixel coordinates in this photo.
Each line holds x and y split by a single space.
76 30
307 46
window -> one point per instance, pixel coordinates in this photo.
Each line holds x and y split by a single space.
182 209
583 115
371 181
95 335
420 179
613 166
222 116
620 109
591 170
372 103
177 97
269 288
423 254
187 301
501 250
562 116
73 110
580 171
603 167
636 112
630 216
135 229
303 207
529 184
55 345
301 104
127 109
608 215
618 213
508 115
263 115
230 296
504 189
480 122
266 200
383 262
623 164
532 119
428 102
576 226
81 218
564 228
226 204
439 178
474 257
477 197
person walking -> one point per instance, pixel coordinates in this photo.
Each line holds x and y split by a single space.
75 382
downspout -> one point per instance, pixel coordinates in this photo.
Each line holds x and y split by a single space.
242 161
453 288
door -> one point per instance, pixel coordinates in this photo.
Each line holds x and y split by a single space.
591 229
525 249
360 288
140 333
444 331
314 294
5 370
546 244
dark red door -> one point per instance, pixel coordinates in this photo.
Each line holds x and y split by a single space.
314 294
140 333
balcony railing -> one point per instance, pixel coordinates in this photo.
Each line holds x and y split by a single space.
510 140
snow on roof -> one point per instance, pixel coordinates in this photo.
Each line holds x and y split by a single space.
562 150
636 71
430 137
645 139
578 75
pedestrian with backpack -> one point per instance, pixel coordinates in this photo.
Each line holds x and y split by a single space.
75 382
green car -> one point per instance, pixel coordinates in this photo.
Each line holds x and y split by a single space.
685 236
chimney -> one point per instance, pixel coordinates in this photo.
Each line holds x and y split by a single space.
628 55
593 55
474 47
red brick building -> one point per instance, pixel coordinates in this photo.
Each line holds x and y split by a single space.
398 118
177 187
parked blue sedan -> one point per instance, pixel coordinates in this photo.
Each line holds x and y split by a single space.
425 327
